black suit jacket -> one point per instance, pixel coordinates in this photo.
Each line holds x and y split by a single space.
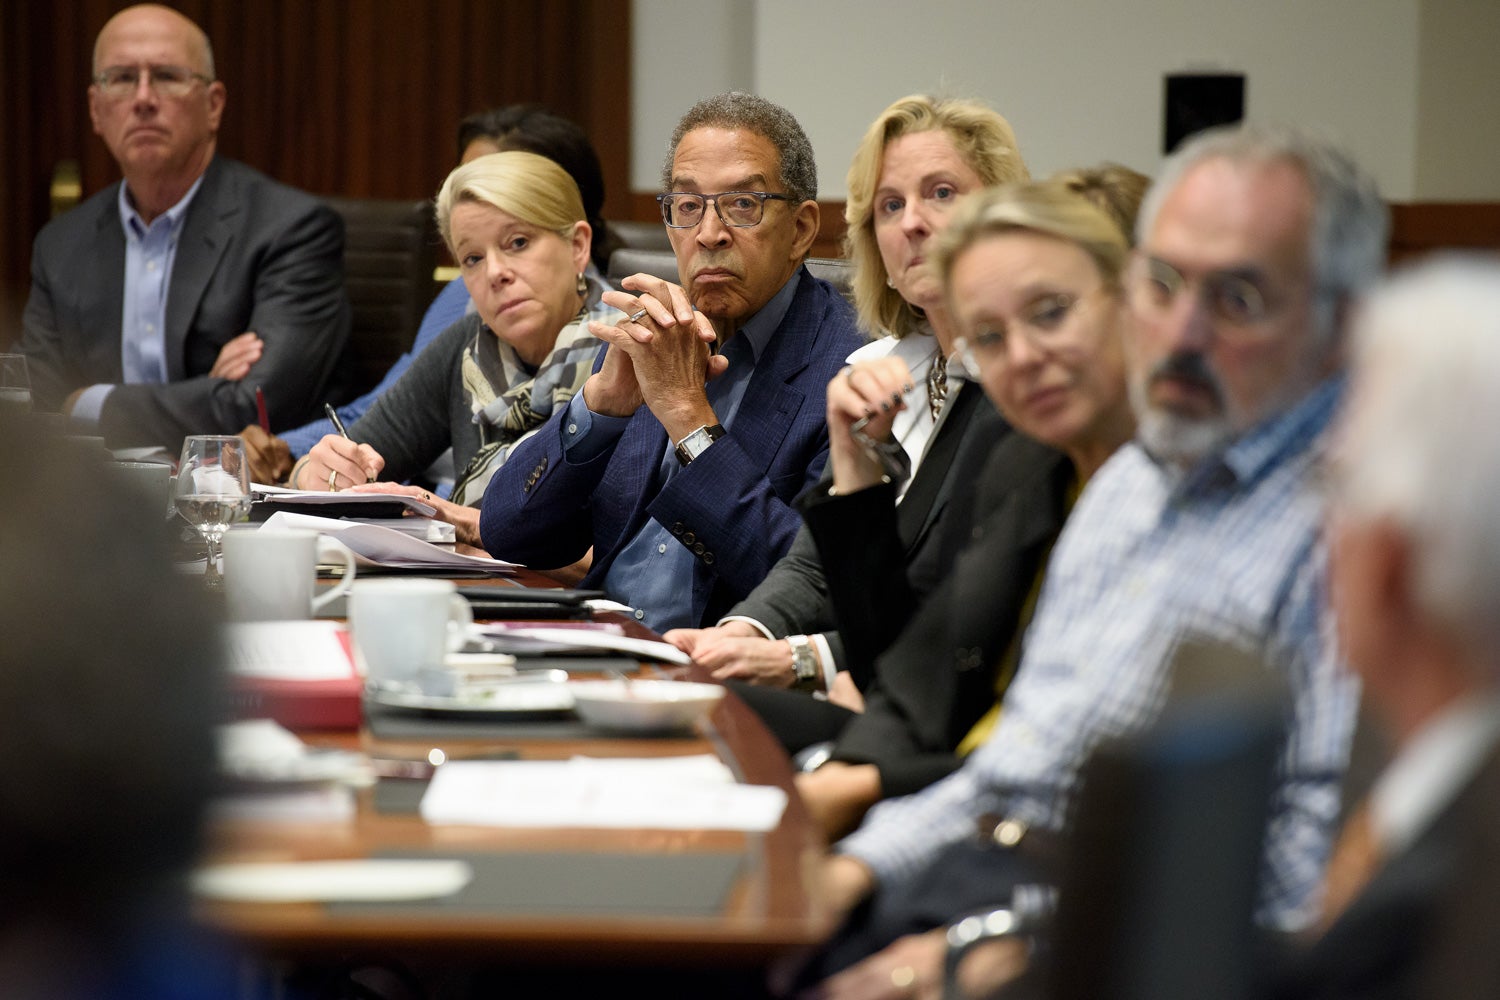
938 677
252 255
1426 924
793 599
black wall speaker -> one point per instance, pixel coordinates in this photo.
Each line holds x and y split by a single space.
1196 101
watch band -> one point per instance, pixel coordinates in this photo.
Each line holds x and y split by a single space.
697 441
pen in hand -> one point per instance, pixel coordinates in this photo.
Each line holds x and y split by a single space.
338 425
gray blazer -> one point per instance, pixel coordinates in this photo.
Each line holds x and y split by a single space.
253 255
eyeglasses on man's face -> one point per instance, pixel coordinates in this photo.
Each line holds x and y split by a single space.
1239 303
120 82
1046 323
685 209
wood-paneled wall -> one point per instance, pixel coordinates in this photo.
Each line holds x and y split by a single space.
350 97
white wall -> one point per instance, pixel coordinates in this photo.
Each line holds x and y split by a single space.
682 51
1458 129
1081 80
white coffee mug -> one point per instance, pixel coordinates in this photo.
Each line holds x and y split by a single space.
150 481
404 626
270 574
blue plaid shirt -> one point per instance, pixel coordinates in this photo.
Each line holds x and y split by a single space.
1230 551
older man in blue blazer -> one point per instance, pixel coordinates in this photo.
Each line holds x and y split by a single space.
679 460
162 303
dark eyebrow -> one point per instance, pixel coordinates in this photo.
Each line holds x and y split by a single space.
754 182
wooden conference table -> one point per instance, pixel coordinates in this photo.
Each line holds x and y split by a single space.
770 908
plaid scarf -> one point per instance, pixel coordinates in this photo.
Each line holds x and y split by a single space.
509 403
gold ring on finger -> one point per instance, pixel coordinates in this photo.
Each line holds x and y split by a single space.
332 475
903 976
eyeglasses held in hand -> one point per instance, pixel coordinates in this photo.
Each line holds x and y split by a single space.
684 209
119 82
894 462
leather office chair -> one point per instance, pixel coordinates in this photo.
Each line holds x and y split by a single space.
640 235
390 250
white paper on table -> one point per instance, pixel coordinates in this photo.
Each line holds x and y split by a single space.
348 879
649 649
287 650
319 804
660 793
378 547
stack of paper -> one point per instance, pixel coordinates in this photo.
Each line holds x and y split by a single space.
377 547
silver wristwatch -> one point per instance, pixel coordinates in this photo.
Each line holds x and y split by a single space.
807 671
697 442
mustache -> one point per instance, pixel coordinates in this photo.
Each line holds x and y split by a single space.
1189 366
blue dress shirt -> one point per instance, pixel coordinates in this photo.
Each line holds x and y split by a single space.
150 254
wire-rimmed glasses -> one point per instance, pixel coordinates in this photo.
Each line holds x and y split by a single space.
1046 324
120 82
1237 302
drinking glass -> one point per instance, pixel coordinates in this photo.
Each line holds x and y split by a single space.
213 491
15 385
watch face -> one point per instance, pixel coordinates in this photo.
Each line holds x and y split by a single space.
697 442
804 661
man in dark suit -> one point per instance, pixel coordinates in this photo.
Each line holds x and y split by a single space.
1409 908
679 460
161 304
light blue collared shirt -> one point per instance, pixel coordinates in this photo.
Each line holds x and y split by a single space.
150 253
1231 551
654 572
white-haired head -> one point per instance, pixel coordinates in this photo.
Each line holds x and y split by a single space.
1418 445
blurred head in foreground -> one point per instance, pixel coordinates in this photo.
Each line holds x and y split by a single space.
1415 562
108 679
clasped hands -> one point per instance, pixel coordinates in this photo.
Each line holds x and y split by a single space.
660 355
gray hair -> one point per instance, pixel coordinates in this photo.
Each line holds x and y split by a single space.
737 110
1350 220
1417 448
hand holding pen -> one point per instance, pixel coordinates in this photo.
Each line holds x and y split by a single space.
337 461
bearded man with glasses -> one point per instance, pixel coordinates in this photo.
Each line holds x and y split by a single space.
160 305
679 460
1253 244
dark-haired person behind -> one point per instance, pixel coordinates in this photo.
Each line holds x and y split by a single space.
526 127
106 754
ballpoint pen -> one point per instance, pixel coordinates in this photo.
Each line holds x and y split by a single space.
338 424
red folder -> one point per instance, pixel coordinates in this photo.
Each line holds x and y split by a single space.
324 704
